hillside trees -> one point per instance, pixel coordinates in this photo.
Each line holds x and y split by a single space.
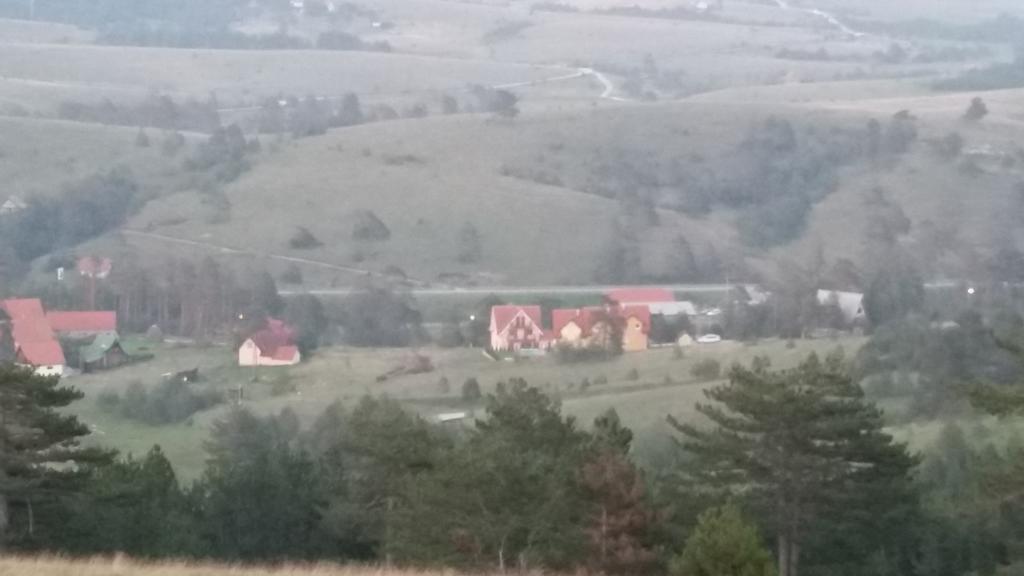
35 440
140 507
367 462
83 210
509 496
378 316
259 498
810 455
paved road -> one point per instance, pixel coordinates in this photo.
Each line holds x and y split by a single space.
835 22
481 291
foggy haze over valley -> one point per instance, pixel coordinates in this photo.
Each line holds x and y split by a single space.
618 287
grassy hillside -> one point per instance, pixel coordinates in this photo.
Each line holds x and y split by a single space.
239 76
532 186
37 156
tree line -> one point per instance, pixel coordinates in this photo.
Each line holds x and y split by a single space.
790 472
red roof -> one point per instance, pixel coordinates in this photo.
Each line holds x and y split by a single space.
641 295
276 339
23 308
641 313
31 330
82 321
560 319
286 353
47 353
502 316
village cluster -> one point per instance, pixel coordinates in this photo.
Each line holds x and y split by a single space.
626 318
59 342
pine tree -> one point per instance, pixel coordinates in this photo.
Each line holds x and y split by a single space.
470 244
619 521
40 454
724 544
807 450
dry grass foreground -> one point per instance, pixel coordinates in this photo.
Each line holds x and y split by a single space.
120 566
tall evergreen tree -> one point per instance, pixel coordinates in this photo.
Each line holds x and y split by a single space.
41 457
619 522
808 451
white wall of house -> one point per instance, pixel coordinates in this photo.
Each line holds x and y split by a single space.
249 355
48 370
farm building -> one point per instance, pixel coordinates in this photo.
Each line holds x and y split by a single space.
103 353
851 304
12 205
33 341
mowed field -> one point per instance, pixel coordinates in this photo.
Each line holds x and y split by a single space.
643 387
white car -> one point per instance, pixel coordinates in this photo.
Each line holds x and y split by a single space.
709 339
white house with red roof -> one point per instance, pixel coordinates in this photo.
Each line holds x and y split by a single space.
34 342
515 328
272 345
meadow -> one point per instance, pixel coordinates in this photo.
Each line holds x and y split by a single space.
643 387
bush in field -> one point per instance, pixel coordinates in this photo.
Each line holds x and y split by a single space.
169 402
471 390
976 111
706 369
368 226
303 239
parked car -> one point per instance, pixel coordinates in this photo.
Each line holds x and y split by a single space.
709 339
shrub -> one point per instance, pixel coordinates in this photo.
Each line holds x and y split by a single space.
633 375
976 111
303 239
706 369
444 386
368 226
169 402
677 353
471 390
171 144
600 380
108 400
282 384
